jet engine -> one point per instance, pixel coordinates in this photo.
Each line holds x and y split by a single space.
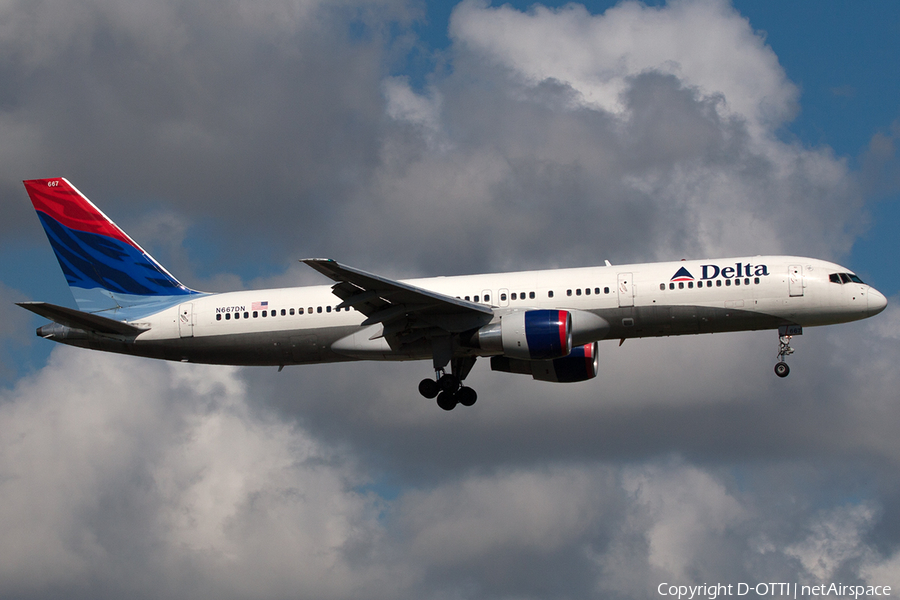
539 334
528 335
580 365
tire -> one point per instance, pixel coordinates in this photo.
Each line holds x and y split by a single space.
782 369
448 383
446 400
466 396
429 388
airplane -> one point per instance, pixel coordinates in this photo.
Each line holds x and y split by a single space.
546 324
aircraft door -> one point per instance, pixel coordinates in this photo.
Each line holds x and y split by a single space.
795 280
625 290
186 320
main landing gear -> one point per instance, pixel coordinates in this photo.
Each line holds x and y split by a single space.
448 389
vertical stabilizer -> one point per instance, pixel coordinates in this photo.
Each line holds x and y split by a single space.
106 269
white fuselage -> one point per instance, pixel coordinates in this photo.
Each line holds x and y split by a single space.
301 325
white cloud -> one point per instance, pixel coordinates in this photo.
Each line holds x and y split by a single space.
706 44
405 105
835 537
102 464
690 513
482 516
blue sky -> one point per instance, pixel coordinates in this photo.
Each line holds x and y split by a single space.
426 138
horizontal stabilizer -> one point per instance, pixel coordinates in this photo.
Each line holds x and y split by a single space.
81 320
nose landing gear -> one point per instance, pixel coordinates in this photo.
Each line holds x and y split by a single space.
785 334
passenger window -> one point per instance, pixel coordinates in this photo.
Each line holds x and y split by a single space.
468 299
284 312
662 286
503 297
587 291
671 286
691 284
487 298
292 311
218 316
680 285
237 315
597 291
727 282
606 290
756 280
227 316
255 314
513 296
475 298
328 309
531 295
318 309
746 281
578 292
309 310
550 294
737 282
709 284
718 283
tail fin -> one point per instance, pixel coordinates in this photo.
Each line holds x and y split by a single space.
106 270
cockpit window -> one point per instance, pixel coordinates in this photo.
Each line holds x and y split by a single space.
844 278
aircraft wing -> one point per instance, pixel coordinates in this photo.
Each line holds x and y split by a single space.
81 320
387 301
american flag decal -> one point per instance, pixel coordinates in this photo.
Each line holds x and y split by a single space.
260 305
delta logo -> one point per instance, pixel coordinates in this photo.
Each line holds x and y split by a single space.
682 275
729 272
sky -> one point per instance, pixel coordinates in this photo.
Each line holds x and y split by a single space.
411 138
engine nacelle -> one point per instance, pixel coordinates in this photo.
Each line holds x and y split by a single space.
581 364
528 335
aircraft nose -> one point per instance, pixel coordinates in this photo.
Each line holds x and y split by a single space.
876 302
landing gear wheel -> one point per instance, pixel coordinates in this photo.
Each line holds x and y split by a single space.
448 383
446 400
466 396
782 369
429 388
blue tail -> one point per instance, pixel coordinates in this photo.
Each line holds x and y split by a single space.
106 270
